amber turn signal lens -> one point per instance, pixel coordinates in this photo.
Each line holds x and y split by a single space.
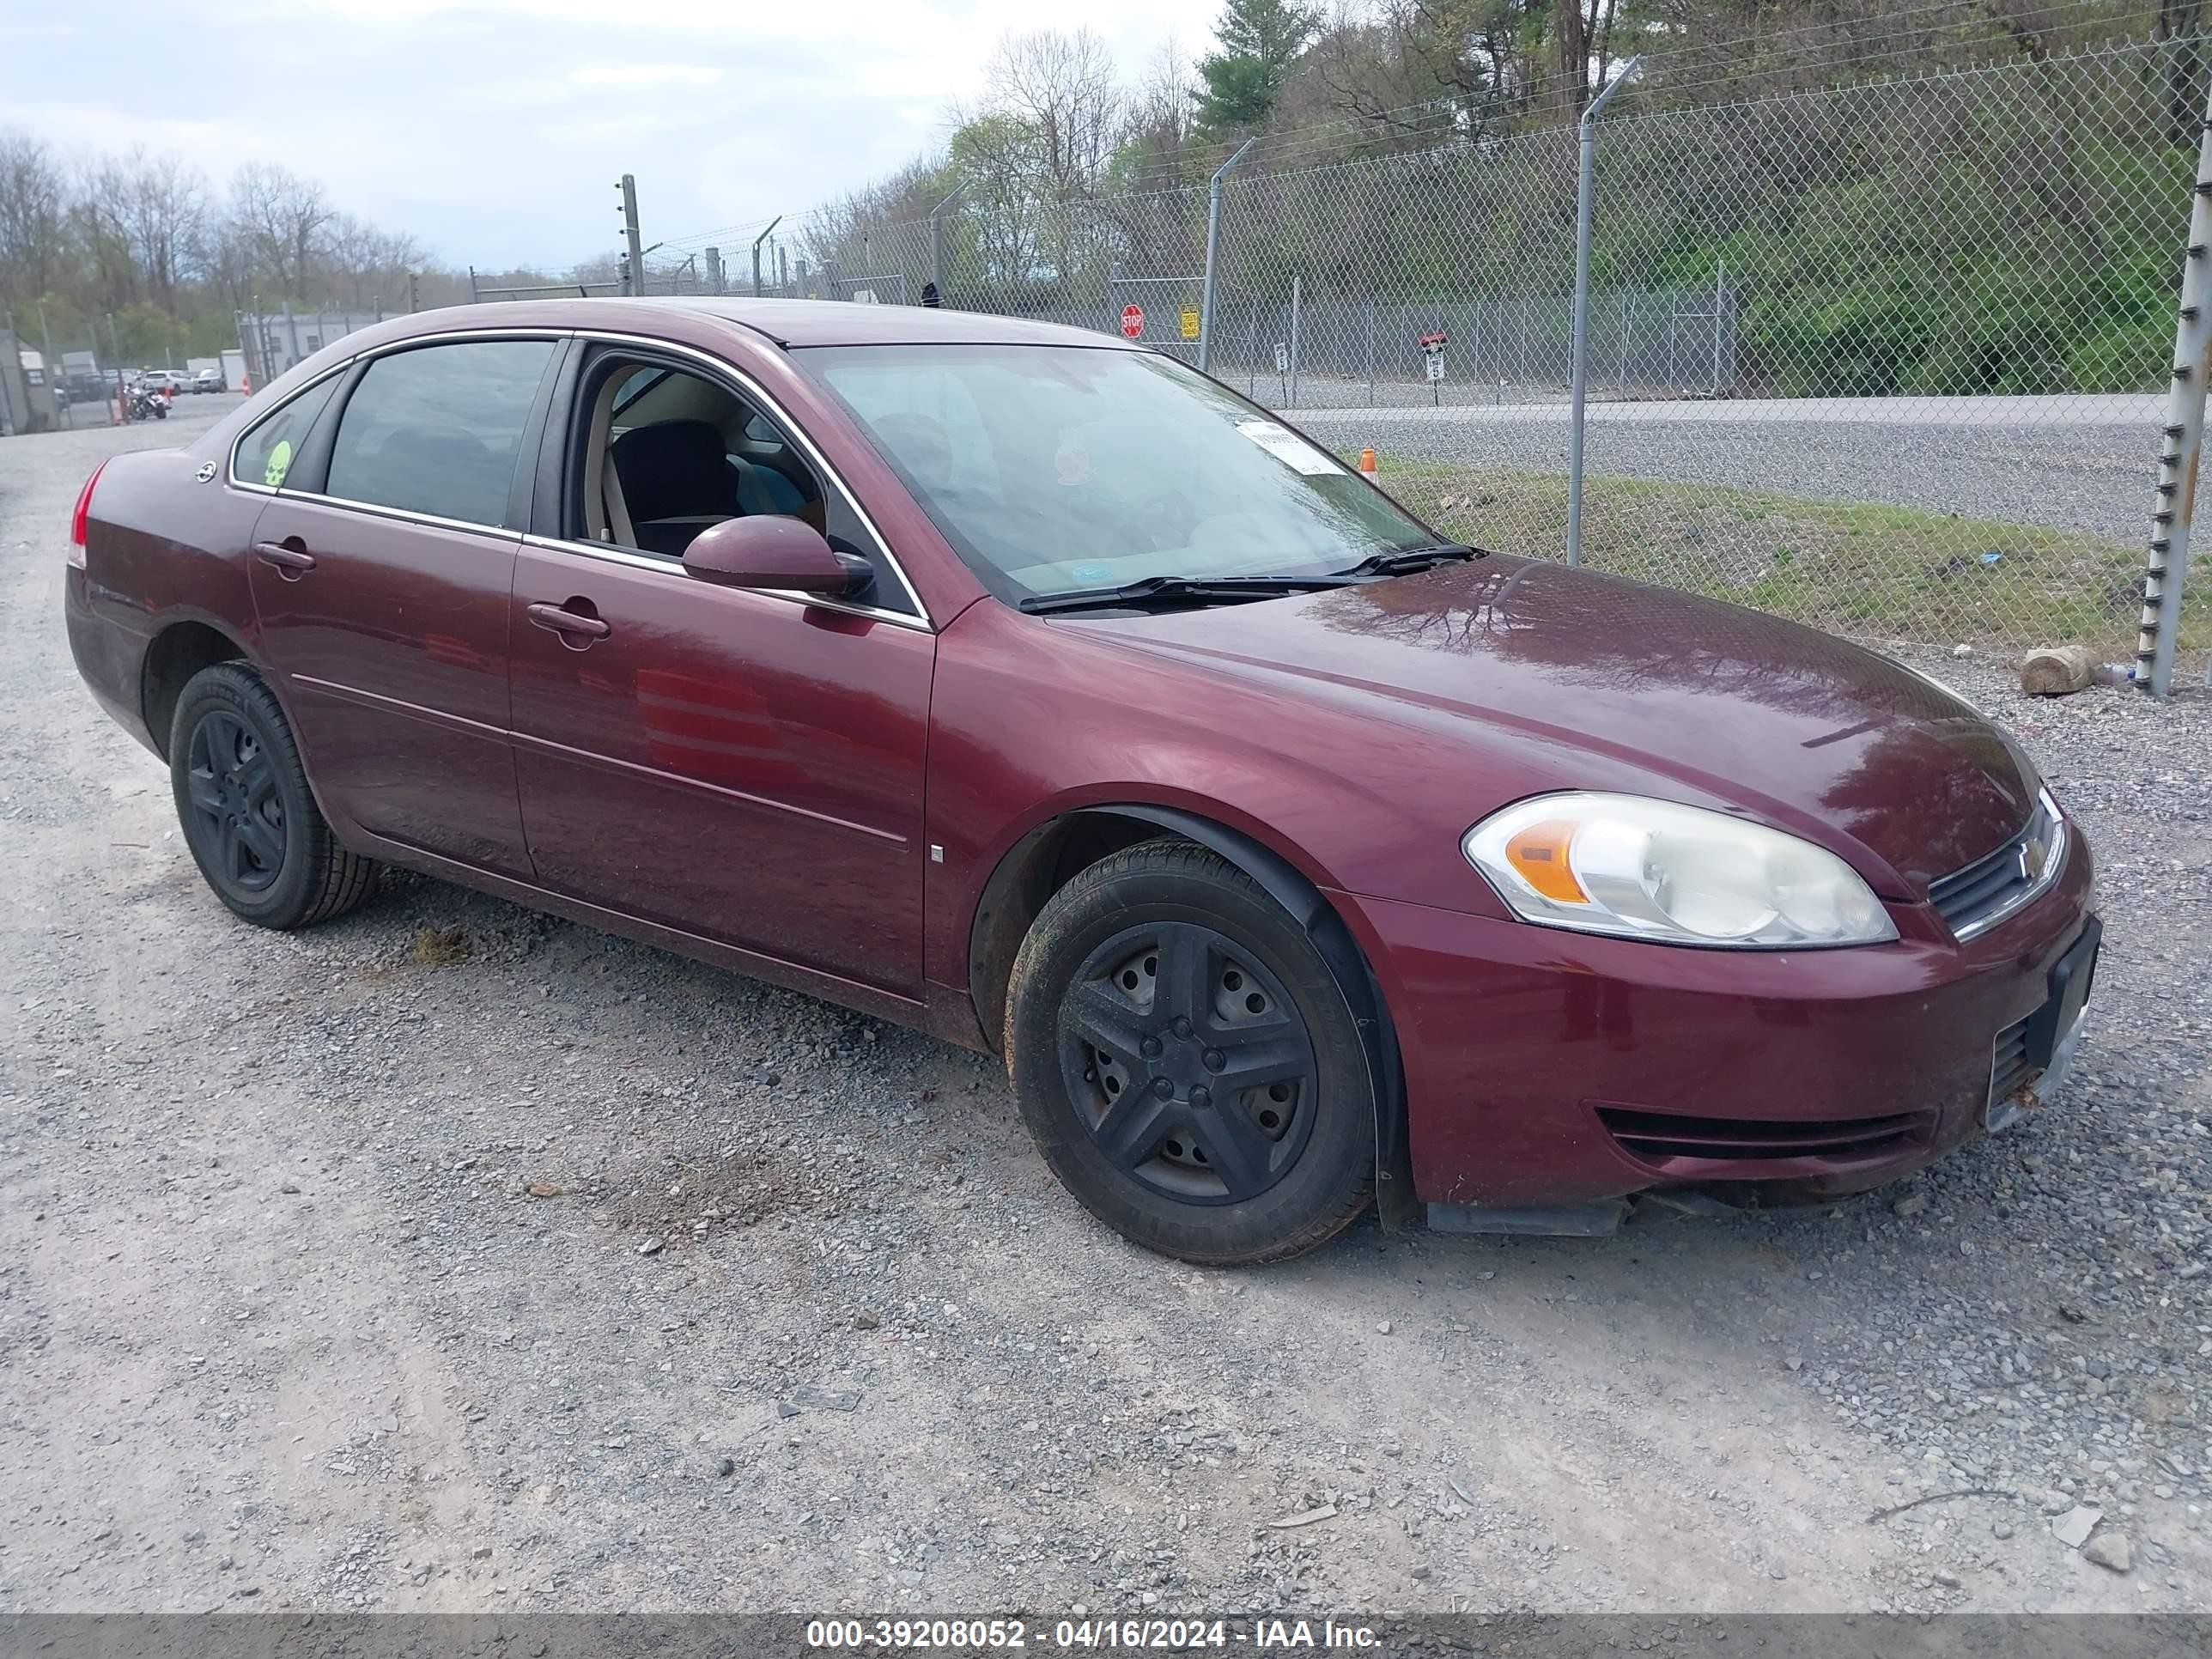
1539 855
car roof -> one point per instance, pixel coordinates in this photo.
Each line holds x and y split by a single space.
843 322
787 322
694 321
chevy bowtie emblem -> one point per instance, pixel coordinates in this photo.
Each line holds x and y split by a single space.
2032 852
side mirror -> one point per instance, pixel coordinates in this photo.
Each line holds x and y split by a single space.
766 550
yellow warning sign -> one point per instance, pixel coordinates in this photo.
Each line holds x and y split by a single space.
1190 322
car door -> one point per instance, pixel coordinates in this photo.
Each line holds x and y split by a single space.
382 574
741 766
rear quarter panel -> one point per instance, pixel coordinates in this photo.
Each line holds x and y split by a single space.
162 547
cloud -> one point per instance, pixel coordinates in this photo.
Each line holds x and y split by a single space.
494 130
645 75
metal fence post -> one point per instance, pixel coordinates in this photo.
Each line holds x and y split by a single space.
2183 444
937 239
1370 351
757 240
1294 340
714 269
635 269
1212 247
1585 211
1720 284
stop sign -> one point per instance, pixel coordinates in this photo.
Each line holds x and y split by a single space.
1133 321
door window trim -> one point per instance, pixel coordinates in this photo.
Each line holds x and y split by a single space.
385 509
230 461
747 387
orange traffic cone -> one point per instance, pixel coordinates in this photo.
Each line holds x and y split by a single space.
246 383
1367 462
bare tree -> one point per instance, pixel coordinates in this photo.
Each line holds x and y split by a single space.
1159 111
34 215
222 252
366 266
163 206
102 216
1060 91
2182 22
1406 73
286 215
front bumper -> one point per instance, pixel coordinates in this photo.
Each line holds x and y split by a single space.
1547 1068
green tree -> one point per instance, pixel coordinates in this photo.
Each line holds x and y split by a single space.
1260 41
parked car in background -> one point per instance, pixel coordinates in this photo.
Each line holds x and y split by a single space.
162 380
207 379
1034 690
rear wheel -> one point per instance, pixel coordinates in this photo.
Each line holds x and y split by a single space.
242 797
1186 1062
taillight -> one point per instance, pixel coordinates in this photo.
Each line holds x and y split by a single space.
77 517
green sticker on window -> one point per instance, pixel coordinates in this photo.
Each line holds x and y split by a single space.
280 463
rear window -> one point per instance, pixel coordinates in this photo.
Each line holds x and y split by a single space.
437 429
265 454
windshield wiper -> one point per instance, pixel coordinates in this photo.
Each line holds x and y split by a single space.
1412 559
1179 590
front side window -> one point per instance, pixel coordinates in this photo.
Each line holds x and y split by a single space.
265 454
1052 468
437 429
660 453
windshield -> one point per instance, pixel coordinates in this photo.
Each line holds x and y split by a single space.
1053 468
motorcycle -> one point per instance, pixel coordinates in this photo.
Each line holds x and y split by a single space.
148 405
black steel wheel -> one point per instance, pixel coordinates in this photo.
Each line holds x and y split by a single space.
1189 1062
248 815
237 810
1186 1062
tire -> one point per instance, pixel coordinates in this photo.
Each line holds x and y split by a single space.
242 799
1156 981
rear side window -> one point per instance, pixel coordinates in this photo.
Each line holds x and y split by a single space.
265 454
437 429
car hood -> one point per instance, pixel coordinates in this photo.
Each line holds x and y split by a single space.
1566 678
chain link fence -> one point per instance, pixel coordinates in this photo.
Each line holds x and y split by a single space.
1890 358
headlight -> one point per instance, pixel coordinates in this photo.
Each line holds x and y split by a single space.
1680 875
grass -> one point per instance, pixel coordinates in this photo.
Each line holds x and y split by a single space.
1852 567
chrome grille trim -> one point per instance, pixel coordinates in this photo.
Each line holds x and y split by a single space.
1976 898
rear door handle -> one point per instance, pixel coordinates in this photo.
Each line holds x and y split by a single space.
291 563
578 626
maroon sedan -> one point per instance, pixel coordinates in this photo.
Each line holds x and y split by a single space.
1028 688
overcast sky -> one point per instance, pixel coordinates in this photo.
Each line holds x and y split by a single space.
494 130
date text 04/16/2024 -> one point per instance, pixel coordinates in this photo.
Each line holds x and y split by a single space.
1088 1634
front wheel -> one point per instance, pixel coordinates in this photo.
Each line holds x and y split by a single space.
252 825
1186 1062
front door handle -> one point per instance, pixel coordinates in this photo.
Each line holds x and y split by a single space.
291 563
577 626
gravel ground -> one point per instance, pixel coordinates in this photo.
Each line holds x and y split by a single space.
451 1257
2095 479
